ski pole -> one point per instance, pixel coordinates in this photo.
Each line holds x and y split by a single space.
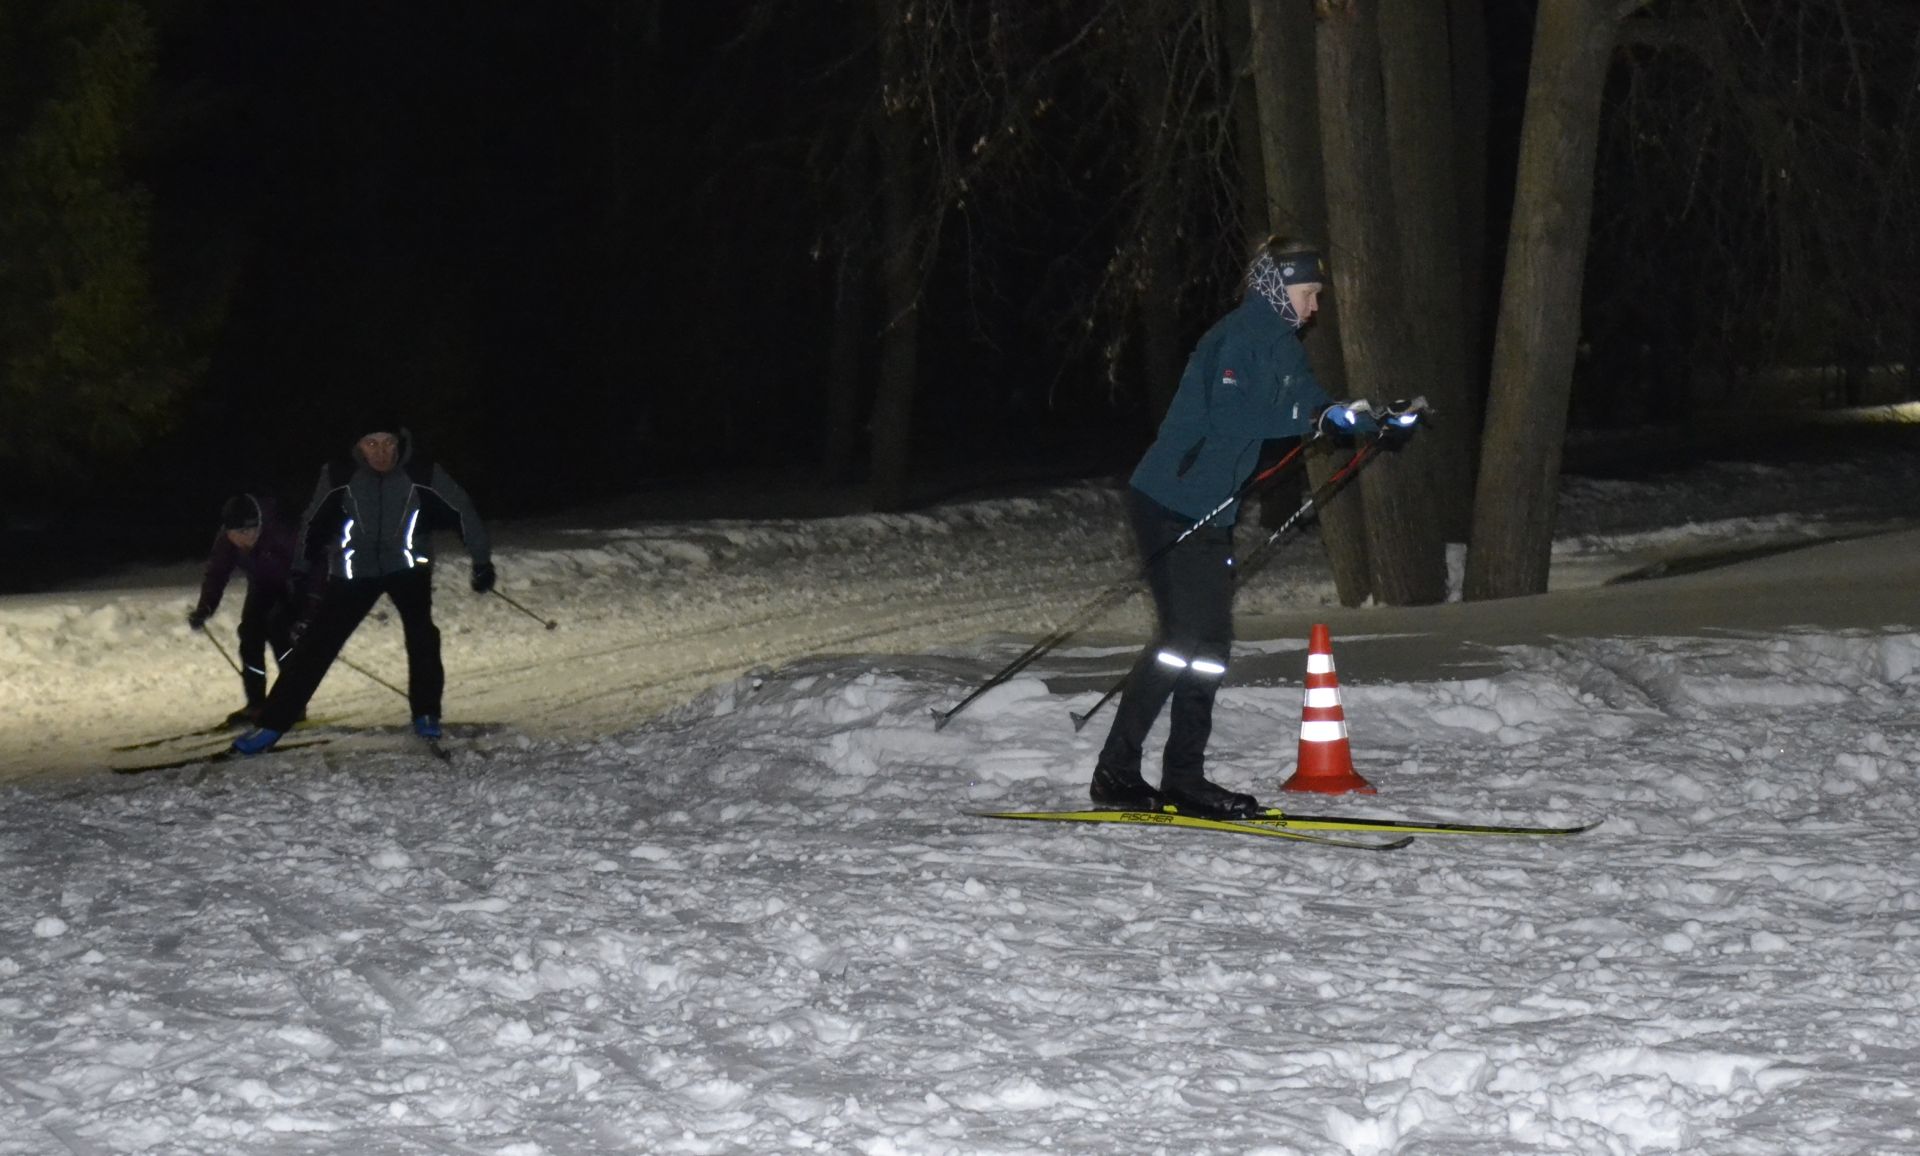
1253 483
1106 600
1113 596
223 652
1314 500
549 623
350 664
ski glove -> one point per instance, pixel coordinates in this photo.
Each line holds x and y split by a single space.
1345 419
1401 419
197 619
482 577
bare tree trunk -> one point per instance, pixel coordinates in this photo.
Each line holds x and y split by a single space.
1472 110
1405 553
844 361
1156 299
1539 324
1283 79
899 370
852 327
1414 59
1236 30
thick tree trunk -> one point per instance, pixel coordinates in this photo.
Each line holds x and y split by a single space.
1419 91
1283 80
1405 553
1539 322
898 380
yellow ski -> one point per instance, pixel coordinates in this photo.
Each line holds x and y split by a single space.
1166 819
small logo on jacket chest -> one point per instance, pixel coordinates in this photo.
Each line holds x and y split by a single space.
1227 377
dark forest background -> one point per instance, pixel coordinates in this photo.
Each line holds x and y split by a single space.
590 247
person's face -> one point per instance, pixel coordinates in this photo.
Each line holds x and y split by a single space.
381 451
246 539
1305 300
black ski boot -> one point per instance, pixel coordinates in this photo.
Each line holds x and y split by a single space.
1121 791
1197 796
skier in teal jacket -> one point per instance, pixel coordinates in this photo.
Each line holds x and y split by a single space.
1247 381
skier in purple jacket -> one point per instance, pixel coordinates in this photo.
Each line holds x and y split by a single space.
253 540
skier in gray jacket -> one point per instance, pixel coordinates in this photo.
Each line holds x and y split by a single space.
371 521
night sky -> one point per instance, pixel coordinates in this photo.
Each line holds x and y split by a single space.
577 245
588 247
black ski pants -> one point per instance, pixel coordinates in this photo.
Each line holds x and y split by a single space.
266 619
1192 586
341 611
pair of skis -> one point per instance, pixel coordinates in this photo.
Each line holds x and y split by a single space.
1274 823
209 732
224 754
292 742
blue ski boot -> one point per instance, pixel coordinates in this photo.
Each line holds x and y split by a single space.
256 742
427 727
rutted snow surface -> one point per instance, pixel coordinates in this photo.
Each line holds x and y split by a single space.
765 922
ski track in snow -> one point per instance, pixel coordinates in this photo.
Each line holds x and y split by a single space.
761 919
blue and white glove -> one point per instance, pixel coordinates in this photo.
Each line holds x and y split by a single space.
1399 419
1345 419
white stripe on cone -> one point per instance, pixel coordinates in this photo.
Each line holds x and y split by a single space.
1323 732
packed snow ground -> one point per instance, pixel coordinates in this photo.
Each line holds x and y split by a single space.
702 877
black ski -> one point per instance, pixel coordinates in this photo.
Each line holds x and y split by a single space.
149 744
203 732
220 755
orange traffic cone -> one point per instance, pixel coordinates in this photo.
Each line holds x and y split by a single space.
1326 762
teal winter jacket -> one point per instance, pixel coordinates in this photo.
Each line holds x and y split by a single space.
1248 380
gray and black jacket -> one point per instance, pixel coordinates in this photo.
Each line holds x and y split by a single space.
369 525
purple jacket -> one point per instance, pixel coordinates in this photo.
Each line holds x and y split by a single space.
269 565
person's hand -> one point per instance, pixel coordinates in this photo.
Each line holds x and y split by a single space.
303 618
197 619
1345 419
482 577
1400 420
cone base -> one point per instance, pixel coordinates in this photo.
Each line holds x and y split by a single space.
1330 783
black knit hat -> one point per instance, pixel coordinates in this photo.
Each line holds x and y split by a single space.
240 513
1301 266
380 421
